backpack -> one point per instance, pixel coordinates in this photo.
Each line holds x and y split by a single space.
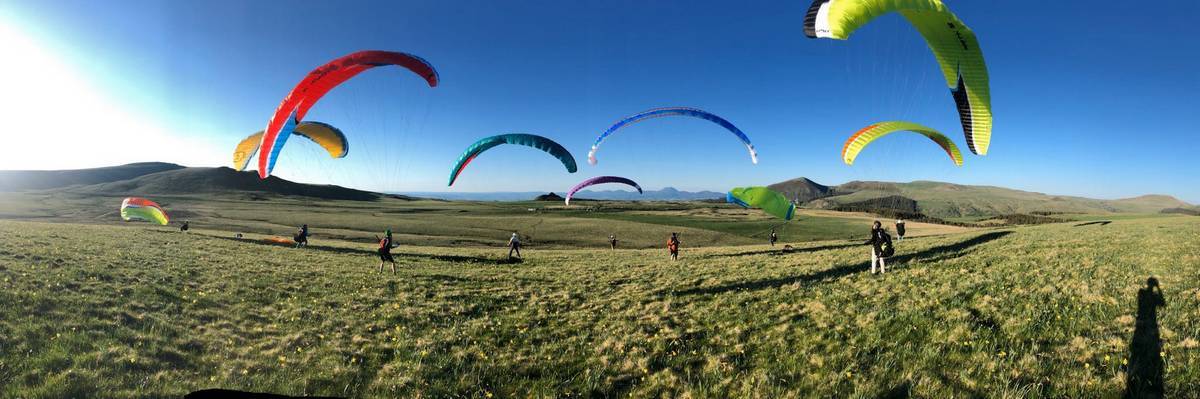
886 250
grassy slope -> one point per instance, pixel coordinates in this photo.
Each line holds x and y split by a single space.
133 311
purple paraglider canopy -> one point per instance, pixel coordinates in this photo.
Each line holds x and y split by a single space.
601 180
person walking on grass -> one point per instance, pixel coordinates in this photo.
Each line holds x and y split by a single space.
673 246
301 237
612 242
514 245
881 247
773 237
385 250
899 229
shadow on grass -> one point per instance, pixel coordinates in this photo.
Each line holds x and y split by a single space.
1144 378
372 252
227 393
781 252
1099 222
935 253
959 386
463 258
902 391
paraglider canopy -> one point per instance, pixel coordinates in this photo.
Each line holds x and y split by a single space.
673 111
952 42
859 140
134 208
600 180
320 81
529 140
763 198
328 137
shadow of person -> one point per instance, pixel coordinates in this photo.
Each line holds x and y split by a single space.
1144 378
932 255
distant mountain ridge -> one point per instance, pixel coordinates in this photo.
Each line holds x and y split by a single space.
666 194
934 199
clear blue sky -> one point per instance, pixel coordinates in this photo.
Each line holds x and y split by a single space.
1089 98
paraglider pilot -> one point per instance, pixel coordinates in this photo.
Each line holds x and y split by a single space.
673 246
881 247
385 250
899 229
514 245
302 237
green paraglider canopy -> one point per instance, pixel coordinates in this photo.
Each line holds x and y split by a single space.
763 198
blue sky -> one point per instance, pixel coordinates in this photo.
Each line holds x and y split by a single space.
1092 100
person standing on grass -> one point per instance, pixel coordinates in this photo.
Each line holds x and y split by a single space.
612 242
514 245
899 229
673 246
302 237
184 227
385 250
881 247
773 237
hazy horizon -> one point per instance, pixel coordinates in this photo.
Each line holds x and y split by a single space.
462 194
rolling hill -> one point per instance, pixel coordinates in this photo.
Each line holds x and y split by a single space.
18 180
802 190
186 181
947 200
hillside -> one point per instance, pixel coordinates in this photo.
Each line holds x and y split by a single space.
802 190
187 181
16 180
947 200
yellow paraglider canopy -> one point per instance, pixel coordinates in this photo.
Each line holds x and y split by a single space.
325 135
862 138
953 44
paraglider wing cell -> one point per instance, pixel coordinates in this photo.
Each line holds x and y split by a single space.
954 45
859 140
320 81
763 198
134 208
673 111
600 180
529 140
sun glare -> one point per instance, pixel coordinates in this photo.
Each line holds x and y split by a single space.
55 118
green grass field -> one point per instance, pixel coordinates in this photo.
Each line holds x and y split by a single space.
133 310
462 224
